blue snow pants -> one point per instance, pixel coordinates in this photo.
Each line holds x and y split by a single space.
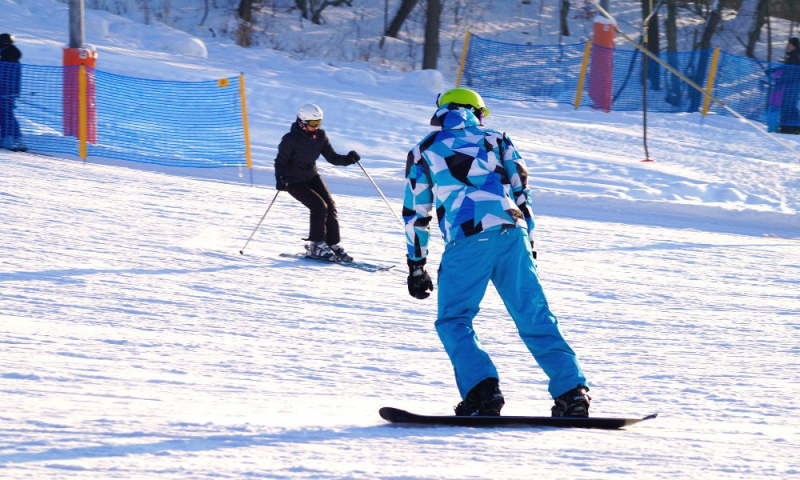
504 257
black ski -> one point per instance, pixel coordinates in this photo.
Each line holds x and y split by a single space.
369 267
395 415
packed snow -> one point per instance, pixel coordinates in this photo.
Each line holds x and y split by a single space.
139 343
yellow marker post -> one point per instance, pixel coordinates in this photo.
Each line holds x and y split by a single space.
582 79
82 116
712 73
463 58
244 123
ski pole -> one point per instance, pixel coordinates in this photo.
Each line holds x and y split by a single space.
381 193
241 252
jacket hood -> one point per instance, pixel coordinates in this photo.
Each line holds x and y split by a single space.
451 117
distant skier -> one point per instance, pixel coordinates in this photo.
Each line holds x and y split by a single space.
479 184
296 173
789 84
10 83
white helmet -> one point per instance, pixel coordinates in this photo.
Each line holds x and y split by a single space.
309 111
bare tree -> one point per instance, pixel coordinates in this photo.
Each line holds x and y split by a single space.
244 31
759 20
430 54
713 19
312 9
671 27
245 10
400 17
564 15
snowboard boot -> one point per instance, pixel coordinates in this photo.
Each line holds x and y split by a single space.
320 251
485 399
574 403
341 254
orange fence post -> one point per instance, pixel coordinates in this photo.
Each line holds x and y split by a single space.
74 58
601 75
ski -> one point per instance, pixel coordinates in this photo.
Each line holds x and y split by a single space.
369 267
395 415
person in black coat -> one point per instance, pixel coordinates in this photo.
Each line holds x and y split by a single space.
296 173
10 83
790 78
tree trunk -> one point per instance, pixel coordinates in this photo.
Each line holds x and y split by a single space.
714 17
303 7
674 96
759 19
402 14
564 16
246 10
430 55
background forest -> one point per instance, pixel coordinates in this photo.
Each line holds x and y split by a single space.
414 34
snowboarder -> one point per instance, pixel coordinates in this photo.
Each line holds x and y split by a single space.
296 173
10 82
478 182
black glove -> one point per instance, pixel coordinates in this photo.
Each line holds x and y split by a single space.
280 184
353 156
419 282
533 252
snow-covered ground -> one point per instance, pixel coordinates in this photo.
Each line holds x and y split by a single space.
139 343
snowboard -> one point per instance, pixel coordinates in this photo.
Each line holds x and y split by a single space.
369 267
395 415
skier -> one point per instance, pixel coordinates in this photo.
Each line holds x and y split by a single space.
789 82
296 173
10 82
479 184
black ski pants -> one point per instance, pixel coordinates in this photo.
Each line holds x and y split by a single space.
324 223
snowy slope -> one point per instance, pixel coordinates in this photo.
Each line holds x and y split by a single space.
138 343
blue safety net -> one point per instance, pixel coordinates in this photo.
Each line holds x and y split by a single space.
629 80
186 124
523 72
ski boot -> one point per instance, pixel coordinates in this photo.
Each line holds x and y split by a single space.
320 251
341 254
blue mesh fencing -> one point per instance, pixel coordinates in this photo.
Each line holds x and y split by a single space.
622 81
523 72
186 124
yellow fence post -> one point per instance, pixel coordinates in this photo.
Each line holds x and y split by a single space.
244 123
82 116
712 73
582 78
463 58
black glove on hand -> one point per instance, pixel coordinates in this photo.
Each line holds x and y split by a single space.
533 252
419 282
280 185
353 156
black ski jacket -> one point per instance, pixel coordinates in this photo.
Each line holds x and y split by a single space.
10 72
792 58
298 153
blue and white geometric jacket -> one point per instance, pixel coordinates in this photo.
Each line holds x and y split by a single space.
475 175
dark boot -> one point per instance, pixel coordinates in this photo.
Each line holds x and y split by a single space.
574 403
484 399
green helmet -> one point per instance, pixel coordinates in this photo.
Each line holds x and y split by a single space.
464 96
